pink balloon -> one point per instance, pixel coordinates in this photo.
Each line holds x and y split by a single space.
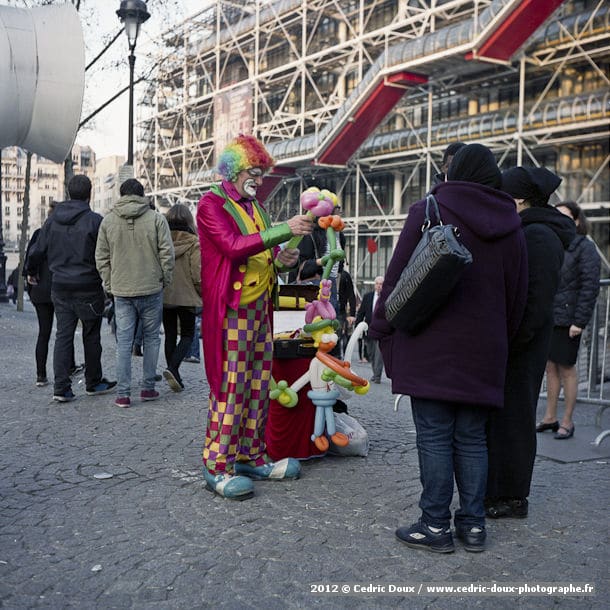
317 203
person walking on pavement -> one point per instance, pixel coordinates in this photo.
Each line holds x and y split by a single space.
39 289
183 296
135 257
67 240
367 307
454 368
238 280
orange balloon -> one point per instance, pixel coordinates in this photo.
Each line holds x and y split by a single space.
324 221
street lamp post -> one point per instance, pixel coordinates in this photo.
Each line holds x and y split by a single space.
132 14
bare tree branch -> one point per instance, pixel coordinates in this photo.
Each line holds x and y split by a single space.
104 49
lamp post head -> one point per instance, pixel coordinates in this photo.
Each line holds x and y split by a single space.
132 14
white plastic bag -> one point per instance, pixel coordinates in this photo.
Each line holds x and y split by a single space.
357 435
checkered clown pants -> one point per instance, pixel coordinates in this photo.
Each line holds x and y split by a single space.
237 417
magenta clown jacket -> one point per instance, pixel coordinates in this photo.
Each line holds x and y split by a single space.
225 248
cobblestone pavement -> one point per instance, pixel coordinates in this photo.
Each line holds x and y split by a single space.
151 537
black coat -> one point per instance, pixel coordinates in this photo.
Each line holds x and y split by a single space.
67 240
13 279
311 248
548 233
41 292
579 285
511 436
366 308
346 294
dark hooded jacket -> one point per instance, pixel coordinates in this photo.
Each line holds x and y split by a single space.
311 248
548 233
461 355
67 240
511 436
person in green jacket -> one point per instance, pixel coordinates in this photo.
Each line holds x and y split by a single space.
135 258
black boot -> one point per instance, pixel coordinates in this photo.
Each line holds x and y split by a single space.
515 508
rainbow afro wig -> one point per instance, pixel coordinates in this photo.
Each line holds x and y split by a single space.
243 153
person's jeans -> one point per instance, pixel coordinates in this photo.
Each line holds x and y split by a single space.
127 311
139 334
69 309
451 440
194 350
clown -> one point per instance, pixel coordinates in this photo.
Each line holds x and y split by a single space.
240 257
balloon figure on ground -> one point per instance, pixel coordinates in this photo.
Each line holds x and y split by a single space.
325 371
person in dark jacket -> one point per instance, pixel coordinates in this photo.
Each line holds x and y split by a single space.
67 241
365 313
454 369
312 248
346 313
511 434
573 307
39 289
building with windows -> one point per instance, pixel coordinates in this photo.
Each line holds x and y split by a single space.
106 183
83 160
46 185
363 98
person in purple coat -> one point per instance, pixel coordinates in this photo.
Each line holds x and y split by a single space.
454 368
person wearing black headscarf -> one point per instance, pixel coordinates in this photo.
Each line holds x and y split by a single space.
454 368
447 158
511 432
475 163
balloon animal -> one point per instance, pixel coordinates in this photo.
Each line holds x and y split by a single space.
325 371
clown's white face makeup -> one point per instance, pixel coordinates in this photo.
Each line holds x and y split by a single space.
248 181
250 187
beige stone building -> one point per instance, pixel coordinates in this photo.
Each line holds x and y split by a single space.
46 185
106 183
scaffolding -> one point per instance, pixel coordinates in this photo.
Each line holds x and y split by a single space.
363 98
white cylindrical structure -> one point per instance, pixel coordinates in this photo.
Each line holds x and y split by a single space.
42 78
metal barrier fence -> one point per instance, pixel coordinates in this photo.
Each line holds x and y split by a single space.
593 364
